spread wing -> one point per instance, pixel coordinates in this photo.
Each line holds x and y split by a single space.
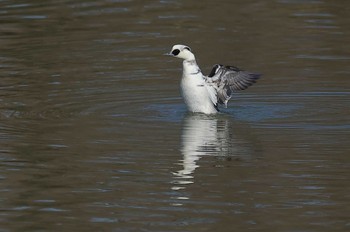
228 79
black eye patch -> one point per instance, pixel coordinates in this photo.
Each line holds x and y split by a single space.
175 52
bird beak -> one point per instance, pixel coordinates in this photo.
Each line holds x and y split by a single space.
167 54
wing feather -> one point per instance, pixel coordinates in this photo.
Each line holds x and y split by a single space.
228 79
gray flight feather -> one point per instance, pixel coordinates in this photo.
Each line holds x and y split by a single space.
228 79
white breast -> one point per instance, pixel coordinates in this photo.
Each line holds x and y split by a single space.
194 90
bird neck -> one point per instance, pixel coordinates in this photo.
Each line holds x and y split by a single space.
187 55
190 67
190 62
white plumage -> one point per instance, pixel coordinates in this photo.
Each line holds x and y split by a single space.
202 93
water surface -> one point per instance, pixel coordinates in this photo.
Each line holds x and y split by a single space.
94 135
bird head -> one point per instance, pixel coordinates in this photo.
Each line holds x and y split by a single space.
181 51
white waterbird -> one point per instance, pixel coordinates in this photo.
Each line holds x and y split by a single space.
204 94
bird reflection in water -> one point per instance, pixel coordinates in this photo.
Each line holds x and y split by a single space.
207 135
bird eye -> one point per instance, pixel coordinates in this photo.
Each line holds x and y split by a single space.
187 48
175 52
